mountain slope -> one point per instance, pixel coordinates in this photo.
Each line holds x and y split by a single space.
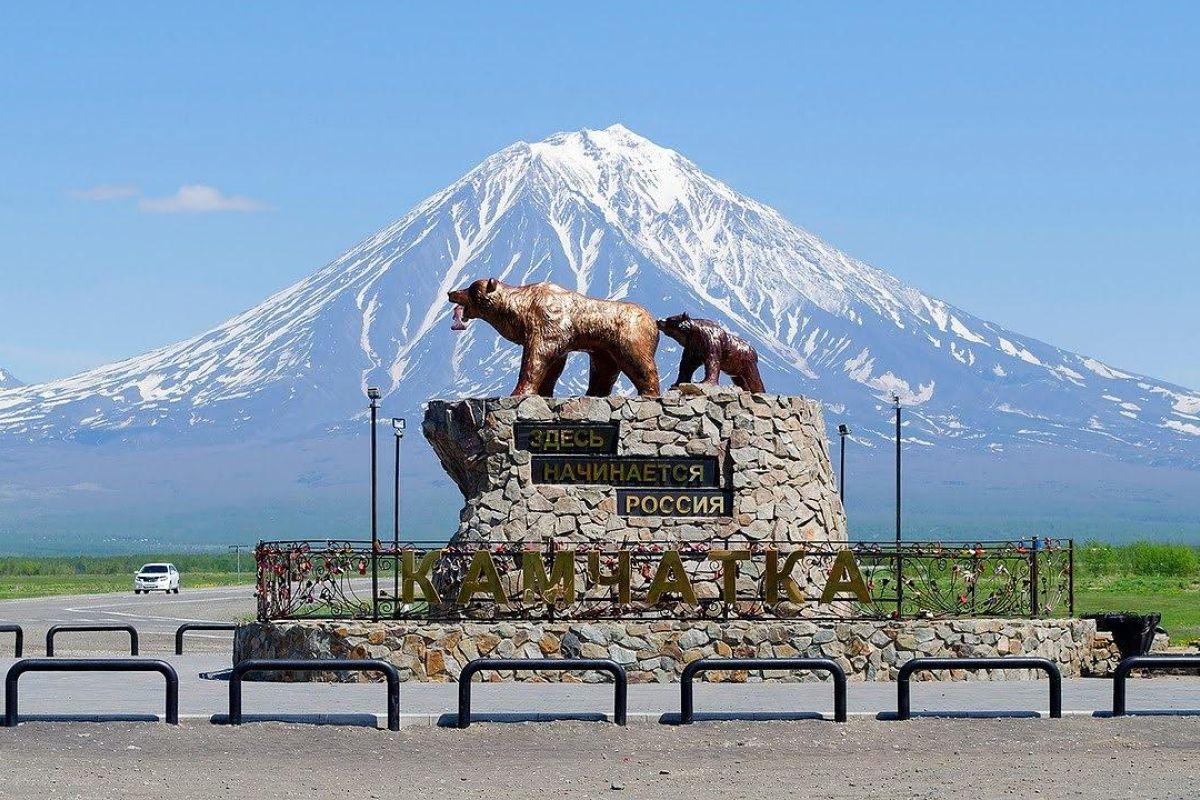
611 214
8 380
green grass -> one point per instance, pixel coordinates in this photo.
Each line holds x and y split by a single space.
55 575
1142 577
13 587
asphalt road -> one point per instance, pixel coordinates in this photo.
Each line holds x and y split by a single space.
156 616
204 692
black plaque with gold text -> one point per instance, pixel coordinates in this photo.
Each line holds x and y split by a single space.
674 503
647 471
568 438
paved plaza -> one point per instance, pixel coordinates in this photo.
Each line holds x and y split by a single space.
765 740
203 694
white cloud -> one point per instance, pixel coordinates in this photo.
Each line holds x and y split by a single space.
105 191
198 199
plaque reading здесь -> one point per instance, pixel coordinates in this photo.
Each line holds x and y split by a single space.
580 438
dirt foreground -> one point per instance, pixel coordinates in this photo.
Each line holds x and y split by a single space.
1141 757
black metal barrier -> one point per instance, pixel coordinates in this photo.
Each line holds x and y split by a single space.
1127 665
116 626
620 681
200 626
89 665
315 665
686 692
19 644
1006 662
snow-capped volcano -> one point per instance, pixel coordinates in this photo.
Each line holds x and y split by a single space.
612 214
8 380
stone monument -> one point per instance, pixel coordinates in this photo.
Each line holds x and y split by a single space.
651 530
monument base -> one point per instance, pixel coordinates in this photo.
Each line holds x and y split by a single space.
657 651
749 468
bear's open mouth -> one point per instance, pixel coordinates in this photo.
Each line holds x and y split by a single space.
458 324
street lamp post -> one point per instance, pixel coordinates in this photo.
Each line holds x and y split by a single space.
899 557
398 428
843 432
373 394
896 402
238 548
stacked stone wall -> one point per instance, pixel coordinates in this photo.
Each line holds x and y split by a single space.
771 453
658 651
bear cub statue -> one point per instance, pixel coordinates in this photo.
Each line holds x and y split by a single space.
705 343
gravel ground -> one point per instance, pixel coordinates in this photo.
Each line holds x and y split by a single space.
1140 757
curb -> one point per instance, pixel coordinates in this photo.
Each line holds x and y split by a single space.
449 719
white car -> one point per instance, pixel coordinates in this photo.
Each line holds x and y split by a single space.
156 578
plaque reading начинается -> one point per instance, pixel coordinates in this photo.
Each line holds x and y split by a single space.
648 471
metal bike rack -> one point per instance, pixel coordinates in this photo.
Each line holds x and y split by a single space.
1007 662
89 665
200 626
116 626
19 644
620 681
315 665
686 689
1127 665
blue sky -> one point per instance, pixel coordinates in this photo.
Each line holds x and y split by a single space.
1035 164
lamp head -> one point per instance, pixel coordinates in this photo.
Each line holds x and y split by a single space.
373 393
843 430
398 426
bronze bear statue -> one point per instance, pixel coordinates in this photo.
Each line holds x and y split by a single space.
551 322
705 343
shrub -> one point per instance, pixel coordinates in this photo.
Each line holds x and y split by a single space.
1146 559
1174 560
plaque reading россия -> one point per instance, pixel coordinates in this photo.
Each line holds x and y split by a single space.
674 503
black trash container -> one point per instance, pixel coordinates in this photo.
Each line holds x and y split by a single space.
1133 633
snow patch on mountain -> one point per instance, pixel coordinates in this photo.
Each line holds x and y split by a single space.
1182 427
8 380
1186 405
1105 371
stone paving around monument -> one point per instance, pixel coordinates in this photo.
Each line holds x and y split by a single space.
424 704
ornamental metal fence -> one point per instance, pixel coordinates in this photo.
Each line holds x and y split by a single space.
346 579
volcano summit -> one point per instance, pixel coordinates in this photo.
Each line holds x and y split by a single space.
610 214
